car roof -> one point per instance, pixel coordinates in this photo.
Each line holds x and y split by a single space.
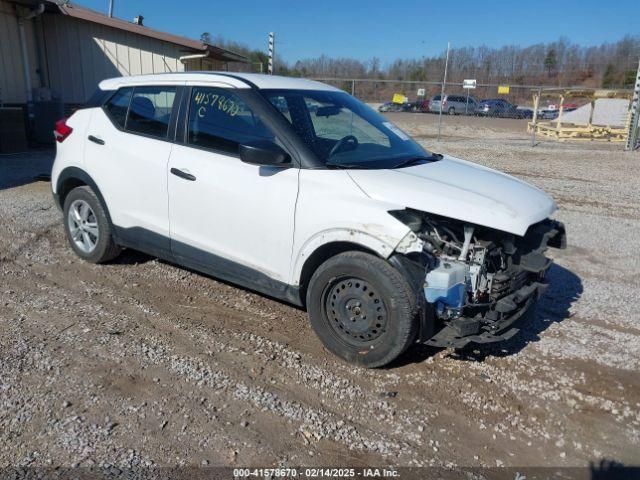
232 79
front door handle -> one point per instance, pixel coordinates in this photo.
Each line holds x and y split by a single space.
183 174
97 140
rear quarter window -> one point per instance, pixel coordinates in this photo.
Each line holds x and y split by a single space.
98 98
117 106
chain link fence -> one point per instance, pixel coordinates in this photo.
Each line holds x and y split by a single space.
377 91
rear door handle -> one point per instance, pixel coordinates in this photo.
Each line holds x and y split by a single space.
97 140
183 174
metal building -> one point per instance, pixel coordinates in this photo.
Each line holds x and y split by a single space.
57 52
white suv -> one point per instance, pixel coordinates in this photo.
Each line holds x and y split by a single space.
295 189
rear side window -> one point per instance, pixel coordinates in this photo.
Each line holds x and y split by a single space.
97 98
150 110
118 105
221 120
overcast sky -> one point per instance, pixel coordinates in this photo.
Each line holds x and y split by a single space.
386 29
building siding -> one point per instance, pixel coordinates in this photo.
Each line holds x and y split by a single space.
75 55
86 53
12 83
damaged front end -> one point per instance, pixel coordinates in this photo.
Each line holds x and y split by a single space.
473 281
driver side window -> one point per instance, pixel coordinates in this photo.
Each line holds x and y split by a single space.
220 120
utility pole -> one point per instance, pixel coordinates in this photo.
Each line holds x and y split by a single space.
632 134
110 8
444 81
272 40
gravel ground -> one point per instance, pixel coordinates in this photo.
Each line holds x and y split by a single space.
141 363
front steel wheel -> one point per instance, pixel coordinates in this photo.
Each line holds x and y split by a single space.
357 312
362 309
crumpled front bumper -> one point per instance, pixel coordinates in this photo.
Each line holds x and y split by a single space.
463 331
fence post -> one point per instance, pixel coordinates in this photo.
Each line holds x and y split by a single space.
632 134
271 52
559 121
536 102
444 81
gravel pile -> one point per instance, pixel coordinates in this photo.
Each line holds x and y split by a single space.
606 111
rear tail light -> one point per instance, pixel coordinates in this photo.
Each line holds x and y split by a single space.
444 102
61 130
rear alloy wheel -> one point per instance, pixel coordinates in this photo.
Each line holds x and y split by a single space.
362 309
87 226
451 111
83 226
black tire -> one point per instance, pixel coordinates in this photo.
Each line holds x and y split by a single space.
388 299
451 111
105 247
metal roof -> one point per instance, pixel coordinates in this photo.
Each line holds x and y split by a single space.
86 14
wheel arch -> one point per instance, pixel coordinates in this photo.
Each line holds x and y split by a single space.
73 177
323 253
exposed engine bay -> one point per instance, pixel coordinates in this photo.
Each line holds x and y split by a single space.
478 281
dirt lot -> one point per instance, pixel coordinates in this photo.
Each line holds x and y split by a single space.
140 362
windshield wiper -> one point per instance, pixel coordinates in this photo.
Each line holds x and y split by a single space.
345 165
434 157
382 164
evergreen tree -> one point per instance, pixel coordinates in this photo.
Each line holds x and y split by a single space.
551 61
609 76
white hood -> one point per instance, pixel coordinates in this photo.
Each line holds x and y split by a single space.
462 190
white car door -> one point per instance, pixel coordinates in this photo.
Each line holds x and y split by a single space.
126 154
229 218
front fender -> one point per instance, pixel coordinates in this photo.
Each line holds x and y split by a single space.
381 244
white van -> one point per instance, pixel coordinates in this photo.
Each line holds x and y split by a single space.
297 190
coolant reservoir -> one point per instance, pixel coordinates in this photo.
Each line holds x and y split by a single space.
446 284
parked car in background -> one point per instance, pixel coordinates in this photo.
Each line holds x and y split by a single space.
547 114
386 107
407 107
394 107
525 112
566 107
420 106
453 105
496 107
551 112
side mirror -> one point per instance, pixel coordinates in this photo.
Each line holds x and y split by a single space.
264 153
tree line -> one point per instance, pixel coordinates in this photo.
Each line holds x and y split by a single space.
559 63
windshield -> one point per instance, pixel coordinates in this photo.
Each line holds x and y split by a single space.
344 132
